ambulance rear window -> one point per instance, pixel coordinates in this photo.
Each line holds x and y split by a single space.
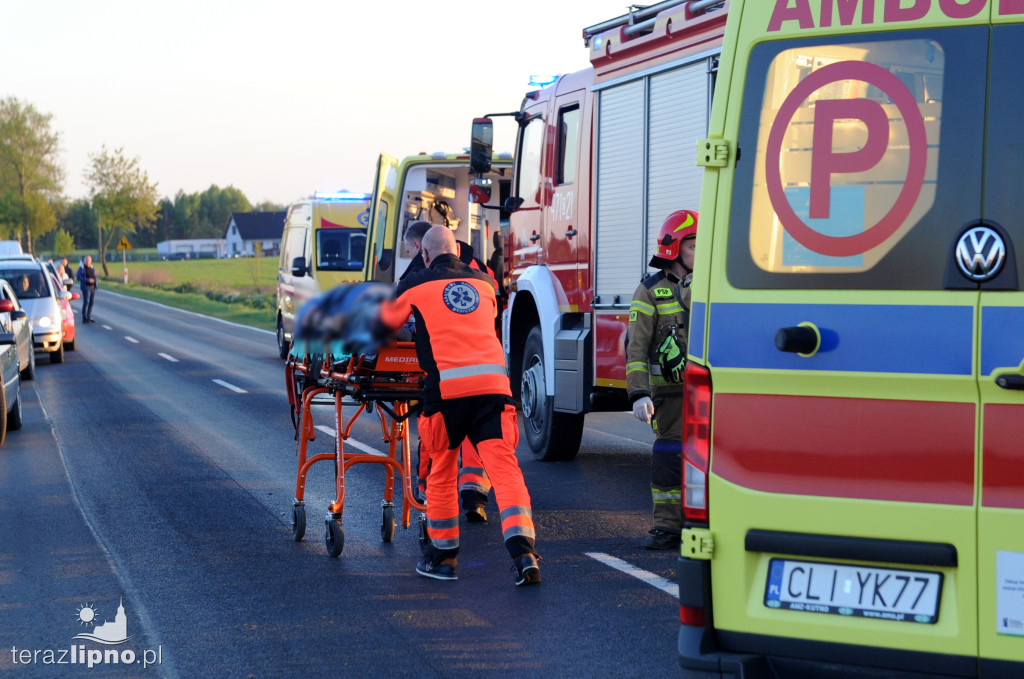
852 165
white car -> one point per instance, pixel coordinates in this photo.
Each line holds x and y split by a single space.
38 296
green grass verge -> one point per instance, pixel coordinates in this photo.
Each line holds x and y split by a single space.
197 302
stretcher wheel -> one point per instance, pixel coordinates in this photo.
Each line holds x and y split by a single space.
424 539
335 537
298 522
387 525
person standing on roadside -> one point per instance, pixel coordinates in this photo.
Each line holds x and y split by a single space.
466 394
659 321
67 272
87 279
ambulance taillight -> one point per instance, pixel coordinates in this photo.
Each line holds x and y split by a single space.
696 442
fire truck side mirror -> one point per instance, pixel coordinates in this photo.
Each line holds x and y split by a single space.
512 203
480 145
479 190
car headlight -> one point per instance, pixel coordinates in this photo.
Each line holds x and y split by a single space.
43 322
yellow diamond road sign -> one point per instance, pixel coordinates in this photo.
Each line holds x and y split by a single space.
124 244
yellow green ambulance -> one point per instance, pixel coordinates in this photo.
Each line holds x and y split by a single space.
323 246
854 412
440 188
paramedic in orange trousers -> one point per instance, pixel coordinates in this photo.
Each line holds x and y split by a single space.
465 394
474 484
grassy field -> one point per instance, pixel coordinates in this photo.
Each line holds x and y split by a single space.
239 290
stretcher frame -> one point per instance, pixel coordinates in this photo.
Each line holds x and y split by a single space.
388 384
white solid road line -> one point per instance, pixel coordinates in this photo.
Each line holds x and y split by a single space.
639 573
131 339
169 358
237 390
352 442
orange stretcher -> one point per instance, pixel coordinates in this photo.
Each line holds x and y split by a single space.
388 384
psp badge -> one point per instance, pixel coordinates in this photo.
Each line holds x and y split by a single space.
461 297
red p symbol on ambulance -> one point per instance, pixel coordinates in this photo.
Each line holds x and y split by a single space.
825 161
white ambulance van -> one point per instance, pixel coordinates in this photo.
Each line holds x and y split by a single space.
854 412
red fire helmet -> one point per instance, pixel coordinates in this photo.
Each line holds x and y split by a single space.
676 228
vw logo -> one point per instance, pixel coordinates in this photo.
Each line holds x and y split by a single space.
980 254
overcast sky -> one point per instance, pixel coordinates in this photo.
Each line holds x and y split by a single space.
282 98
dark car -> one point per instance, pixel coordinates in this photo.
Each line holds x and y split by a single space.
21 326
10 369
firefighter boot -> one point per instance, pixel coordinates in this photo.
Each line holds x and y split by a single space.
660 538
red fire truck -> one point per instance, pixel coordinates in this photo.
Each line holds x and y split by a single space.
602 157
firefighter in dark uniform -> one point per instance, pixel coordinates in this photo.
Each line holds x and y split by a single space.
655 355
466 394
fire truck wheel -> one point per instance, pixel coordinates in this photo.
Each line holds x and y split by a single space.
298 522
335 537
282 344
552 436
387 525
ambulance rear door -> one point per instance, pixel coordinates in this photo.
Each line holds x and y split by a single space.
842 492
381 258
993 252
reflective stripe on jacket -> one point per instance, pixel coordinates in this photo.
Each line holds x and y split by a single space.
454 307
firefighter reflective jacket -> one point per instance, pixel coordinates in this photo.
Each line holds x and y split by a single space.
454 307
661 306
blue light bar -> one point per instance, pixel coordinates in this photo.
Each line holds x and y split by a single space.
542 80
341 195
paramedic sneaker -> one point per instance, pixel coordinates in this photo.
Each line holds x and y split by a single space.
440 571
661 539
527 570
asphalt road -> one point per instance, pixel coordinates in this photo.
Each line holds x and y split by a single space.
156 468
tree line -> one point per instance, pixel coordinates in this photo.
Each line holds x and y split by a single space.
122 201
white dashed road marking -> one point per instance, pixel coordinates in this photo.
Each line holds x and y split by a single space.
228 385
169 358
639 573
106 327
352 442
131 339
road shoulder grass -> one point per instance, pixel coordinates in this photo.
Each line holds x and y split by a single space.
197 303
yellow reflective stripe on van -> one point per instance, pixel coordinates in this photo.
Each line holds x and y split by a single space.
636 367
642 307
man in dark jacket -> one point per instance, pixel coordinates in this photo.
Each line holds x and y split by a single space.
87 279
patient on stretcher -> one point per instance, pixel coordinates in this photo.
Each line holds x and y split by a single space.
343 322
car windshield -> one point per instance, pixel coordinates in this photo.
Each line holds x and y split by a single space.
27 284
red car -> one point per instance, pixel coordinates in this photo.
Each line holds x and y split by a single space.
67 317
